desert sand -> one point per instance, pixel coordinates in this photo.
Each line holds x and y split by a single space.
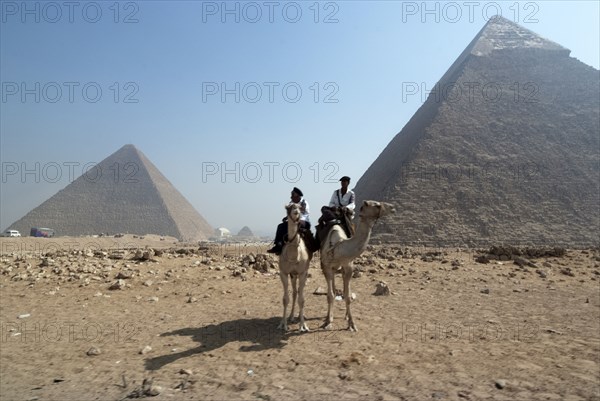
199 322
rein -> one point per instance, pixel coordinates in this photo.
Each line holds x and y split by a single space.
297 232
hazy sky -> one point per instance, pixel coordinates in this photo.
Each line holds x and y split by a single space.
235 102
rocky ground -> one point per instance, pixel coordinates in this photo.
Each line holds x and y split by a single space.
120 318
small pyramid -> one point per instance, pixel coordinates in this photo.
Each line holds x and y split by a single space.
124 193
504 149
245 232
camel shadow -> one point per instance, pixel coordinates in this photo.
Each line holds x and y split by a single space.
262 333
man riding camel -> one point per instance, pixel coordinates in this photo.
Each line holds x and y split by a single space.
296 197
344 198
340 210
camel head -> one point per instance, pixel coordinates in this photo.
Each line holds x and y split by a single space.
293 212
374 210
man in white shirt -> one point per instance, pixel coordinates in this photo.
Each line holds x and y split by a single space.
340 210
343 197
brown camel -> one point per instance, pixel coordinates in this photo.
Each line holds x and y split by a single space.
339 250
293 262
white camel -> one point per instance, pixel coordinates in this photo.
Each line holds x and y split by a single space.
294 262
339 250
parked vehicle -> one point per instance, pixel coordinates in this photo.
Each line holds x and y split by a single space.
11 233
42 232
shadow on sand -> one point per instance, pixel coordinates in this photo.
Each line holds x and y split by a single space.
262 333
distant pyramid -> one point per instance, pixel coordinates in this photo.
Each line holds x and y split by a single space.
505 149
125 193
245 232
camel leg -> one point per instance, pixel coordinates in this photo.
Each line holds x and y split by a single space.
328 324
303 326
286 300
351 269
347 274
294 296
333 283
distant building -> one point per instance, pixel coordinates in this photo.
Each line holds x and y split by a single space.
222 233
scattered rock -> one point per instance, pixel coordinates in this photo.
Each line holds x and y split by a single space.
482 259
146 389
320 291
345 375
100 254
567 272
94 351
153 391
521 262
382 288
263 263
500 383
192 300
117 255
124 275
186 372
144 255
485 291
153 299
24 316
145 350
46 262
248 260
117 285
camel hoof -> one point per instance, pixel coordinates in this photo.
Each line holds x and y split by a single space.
327 326
283 326
304 328
352 327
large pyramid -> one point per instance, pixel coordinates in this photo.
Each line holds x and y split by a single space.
504 150
125 193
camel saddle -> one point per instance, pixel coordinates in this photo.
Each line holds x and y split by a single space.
331 217
323 230
308 238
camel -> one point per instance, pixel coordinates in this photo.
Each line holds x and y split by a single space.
339 250
294 262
